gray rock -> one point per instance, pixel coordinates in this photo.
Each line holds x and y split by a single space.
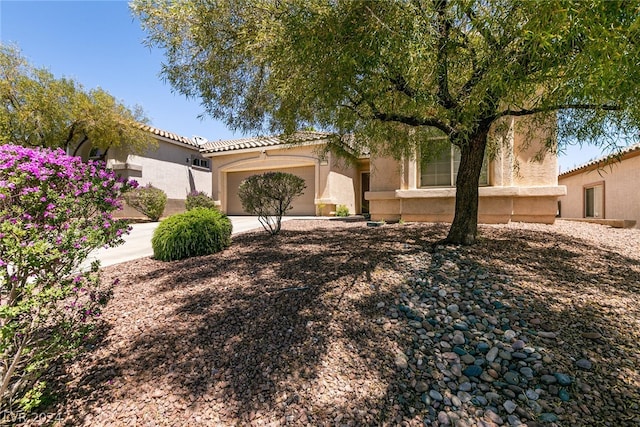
493 417
465 386
481 400
548 417
421 386
514 421
526 372
464 396
435 395
459 339
512 378
532 394
544 334
509 335
509 406
505 355
453 308
468 359
402 361
443 418
584 364
456 401
548 379
493 397
518 345
492 354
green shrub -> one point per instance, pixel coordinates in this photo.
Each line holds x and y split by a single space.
342 211
148 200
199 199
200 231
54 211
269 196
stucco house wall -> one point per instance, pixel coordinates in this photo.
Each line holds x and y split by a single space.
520 188
618 181
169 165
329 182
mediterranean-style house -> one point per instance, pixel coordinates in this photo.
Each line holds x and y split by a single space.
603 191
515 185
330 182
174 165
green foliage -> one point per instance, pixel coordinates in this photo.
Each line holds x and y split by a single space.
38 109
148 200
269 196
54 210
200 231
342 211
401 75
199 199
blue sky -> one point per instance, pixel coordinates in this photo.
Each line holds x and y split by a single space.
99 44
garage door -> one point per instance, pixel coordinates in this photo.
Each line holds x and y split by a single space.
303 205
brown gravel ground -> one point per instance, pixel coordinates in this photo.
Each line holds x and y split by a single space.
291 330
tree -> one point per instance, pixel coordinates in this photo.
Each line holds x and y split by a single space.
269 195
397 73
40 110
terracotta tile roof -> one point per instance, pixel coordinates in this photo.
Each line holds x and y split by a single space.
170 135
602 161
302 137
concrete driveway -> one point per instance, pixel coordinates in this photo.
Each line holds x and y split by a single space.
138 243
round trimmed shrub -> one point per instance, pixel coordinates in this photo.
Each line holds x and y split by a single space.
199 199
200 231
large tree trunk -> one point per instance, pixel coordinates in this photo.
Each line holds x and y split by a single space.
464 228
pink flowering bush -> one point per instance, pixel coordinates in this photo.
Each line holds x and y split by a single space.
54 210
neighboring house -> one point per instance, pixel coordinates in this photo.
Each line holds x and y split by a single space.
604 190
330 182
515 187
174 165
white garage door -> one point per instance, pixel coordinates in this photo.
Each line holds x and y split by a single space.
303 205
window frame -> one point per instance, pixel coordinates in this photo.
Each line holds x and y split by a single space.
593 186
452 170
196 162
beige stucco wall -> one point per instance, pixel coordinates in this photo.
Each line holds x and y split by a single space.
334 183
165 167
621 195
520 188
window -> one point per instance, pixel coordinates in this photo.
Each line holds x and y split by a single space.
201 163
442 171
594 201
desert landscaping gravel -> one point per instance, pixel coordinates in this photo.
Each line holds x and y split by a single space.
337 323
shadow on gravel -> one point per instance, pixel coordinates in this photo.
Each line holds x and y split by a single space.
251 327
256 331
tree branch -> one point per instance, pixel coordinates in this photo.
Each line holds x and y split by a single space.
528 112
413 121
401 85
442 70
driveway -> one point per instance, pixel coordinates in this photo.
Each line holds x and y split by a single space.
138 243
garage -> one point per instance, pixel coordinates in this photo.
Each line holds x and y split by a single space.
303 205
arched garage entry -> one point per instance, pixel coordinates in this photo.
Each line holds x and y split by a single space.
303 205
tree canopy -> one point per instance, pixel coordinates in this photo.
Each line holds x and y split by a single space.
39 110
396 73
